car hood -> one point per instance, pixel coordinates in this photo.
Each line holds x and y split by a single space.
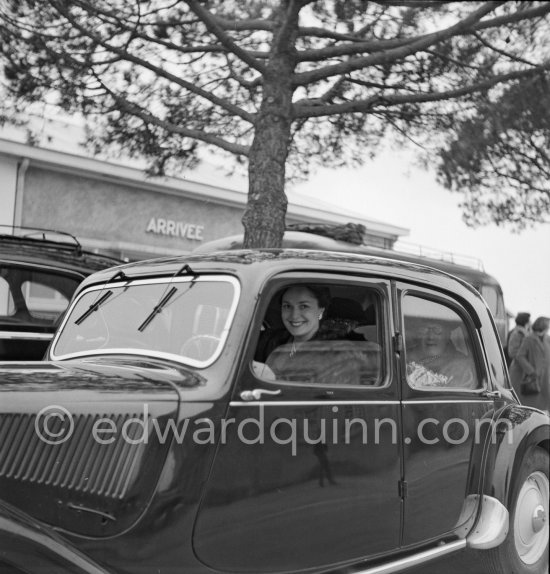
81 442
103 374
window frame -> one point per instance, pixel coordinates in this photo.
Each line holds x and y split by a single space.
36 324
383 289
478 355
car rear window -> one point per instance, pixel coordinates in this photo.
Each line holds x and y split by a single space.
438 346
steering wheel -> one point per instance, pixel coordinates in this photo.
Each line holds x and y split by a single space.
200 347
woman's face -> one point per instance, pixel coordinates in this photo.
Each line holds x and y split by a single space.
541 333
300 313
434 338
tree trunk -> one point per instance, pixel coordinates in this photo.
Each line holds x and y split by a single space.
264 217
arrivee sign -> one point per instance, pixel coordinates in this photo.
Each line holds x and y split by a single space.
161 226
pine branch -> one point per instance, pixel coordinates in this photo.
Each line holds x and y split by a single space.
126 56
512 57
392 55
214 28
366 105
201 135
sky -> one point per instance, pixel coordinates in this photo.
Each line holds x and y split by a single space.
391 189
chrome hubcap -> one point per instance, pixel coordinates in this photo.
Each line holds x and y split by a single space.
539 518
531 528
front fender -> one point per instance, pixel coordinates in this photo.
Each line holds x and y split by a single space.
57 462
517 429
30 546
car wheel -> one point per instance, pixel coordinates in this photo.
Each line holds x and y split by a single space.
525 549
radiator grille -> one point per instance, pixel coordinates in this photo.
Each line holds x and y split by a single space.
81 463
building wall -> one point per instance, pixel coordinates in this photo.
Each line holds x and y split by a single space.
8 182
132 218
114 207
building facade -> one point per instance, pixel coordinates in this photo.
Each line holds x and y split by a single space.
113 207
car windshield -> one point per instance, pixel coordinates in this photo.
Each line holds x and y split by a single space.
185 319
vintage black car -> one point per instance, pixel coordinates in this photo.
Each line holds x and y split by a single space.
39 272
183 423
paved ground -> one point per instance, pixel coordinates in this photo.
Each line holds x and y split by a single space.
462 562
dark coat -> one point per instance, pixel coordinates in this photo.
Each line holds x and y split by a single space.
515 339
533 357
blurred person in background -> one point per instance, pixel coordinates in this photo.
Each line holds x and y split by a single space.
530 369
516 336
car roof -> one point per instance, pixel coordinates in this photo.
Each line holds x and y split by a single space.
51 249
251 264
305 240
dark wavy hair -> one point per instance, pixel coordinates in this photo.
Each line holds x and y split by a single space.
320 292
540 324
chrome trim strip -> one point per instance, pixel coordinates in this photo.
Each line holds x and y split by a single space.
25 335
416 559
123 351
449 401
326 402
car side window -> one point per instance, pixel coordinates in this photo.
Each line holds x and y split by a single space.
491 296
42 300
7 305
322 335
438 346
34 297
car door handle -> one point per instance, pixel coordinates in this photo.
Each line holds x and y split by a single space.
256 394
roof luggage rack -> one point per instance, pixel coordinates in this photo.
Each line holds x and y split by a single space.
439 255
64 245
62 238
354 233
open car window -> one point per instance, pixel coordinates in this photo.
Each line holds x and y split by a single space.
346 349
185 319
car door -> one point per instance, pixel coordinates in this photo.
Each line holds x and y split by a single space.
278 497
445 400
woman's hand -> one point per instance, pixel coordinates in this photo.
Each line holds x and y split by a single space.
262 371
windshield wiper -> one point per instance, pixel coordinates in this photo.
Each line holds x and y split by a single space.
98 302
164 300
94 307
157 308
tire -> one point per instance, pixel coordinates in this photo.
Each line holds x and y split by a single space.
525 549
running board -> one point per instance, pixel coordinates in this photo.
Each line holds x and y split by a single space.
416 559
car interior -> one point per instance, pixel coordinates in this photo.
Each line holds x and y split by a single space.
350 350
